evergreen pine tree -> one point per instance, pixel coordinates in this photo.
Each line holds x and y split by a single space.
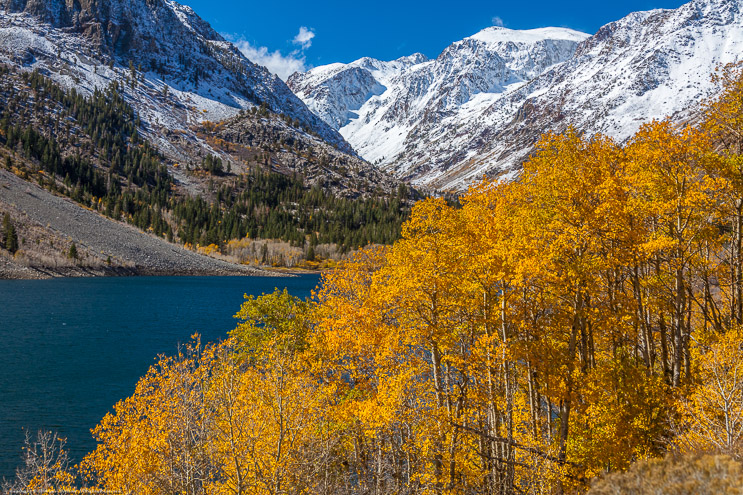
9 234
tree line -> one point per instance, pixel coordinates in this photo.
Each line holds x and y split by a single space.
89 148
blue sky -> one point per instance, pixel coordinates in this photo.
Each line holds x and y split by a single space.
295 35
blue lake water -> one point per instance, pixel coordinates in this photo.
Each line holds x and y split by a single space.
72 348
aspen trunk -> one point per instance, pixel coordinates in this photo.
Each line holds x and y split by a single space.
678 327
738 284
509 401
566 404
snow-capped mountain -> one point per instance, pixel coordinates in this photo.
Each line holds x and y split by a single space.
335 91
175 68
386 108
482 104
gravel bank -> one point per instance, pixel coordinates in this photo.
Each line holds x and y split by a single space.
143 254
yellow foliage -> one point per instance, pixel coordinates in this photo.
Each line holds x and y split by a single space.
549 330
208 250
712 414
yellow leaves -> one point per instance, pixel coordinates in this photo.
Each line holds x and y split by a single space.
350 323
712 414
519 344
657 243
150 441
666 166
209 250
622 416
45 467
572 209
202 422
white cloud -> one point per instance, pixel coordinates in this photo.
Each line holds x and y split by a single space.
497 21
304 38
281 65
276 62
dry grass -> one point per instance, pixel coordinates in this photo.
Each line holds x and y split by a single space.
698 475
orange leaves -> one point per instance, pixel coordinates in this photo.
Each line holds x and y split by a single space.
621 417
151 443
203 423
351 326
666 166
575 211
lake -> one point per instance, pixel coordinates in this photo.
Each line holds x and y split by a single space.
72 348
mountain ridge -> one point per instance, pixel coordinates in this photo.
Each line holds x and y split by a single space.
413 96
166 45
646 65
140 111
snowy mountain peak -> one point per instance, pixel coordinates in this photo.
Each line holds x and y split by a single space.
725 10
414 59
497 34
480 106
380 106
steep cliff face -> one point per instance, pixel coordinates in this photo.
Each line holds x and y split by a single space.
120 27
481 105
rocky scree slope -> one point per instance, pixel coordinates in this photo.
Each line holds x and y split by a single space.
484 120
270 142
47 223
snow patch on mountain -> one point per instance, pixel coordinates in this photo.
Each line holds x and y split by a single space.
499 34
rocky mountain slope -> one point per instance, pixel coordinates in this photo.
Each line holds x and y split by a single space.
249 140
274 181
48 225
482 104
387 109
140 111
176 70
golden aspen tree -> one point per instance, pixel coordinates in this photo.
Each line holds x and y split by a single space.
488 235
670 184
712 414
282 408
723 125
156 440
360 351
562 186
234 430
426 277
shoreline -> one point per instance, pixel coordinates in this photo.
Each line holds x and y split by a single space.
47 273
48 225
